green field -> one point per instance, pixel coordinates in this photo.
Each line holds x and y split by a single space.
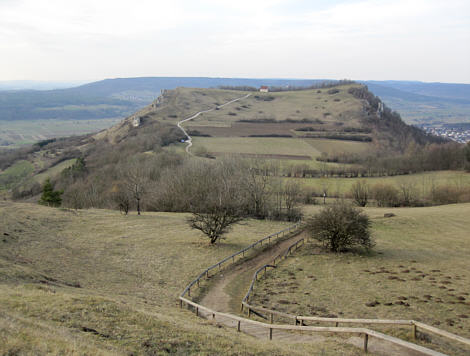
21 170
422 183
419 270
17 133
257 145
97 282
336 146
53 171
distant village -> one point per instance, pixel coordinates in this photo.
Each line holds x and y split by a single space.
459 133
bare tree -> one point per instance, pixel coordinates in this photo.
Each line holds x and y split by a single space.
216 200
360 193
291 198
120 196
135 180
258 187
408 192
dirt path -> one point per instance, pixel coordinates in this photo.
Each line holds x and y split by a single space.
222 297
218 297
189 140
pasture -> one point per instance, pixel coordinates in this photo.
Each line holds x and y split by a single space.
418 270
97 282
21 132
421 183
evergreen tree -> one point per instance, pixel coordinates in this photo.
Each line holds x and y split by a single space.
50 197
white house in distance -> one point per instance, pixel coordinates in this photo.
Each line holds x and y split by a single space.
264 89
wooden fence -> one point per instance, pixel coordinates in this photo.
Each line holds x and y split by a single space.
241 254
240 321
300 320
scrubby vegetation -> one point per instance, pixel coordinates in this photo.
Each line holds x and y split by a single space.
340 227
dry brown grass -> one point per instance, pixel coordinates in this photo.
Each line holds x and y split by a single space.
419 270
97 282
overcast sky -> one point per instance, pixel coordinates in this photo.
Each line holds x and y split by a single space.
427 40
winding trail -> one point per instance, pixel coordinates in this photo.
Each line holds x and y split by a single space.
189 140
220 299
228 287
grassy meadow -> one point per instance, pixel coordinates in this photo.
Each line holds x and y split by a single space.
21 132
19 171
97 282
257 146
421 183
418 270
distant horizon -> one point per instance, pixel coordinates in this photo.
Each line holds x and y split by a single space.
89 81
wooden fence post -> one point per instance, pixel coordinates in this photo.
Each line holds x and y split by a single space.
270 333
197 311
238 326
413 331
181 304
189 292
271 319
366 341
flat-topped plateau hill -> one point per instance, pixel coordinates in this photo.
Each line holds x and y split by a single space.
294 127
297 124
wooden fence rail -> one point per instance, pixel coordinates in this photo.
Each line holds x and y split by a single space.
218 265
240 321
298 319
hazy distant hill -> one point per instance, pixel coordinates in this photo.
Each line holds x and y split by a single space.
37 85
430 103
114 98
109 98
440 90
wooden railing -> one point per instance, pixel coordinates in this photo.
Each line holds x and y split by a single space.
218 265
300 320
240 321
264 268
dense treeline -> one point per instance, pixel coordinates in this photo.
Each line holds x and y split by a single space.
164 181
415 159
408 193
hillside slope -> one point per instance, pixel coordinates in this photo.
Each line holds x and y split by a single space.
295 127
97 282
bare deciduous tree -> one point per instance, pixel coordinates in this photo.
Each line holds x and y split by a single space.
216 200
360 193
135 180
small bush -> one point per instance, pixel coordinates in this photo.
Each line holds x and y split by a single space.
445 195
386 195
341 227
